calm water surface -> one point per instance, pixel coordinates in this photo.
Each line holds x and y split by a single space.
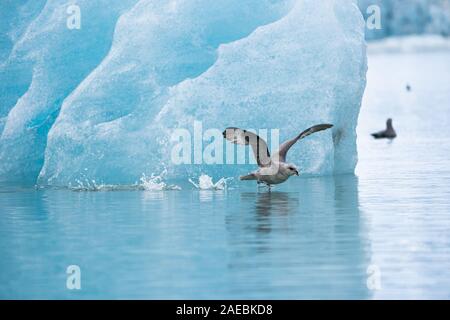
310 238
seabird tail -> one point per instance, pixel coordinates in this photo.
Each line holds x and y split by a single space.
377 135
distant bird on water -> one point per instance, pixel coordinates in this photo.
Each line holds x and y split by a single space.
408 87
388 133
272 169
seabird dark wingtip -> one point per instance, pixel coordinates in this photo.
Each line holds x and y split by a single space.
323 126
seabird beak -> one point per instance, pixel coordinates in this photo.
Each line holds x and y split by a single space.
296 173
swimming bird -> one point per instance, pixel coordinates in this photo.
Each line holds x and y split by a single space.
389 133
272 169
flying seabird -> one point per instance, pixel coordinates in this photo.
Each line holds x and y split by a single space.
272 169
389 133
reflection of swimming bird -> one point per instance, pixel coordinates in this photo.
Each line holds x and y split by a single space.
389 133
272 169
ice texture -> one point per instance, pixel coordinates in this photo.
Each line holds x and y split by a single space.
100 103
406 17
42 62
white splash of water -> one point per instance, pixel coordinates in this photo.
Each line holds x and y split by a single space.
156 183
152 183
205 182
92 185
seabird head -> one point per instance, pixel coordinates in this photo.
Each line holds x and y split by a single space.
292 170
389 123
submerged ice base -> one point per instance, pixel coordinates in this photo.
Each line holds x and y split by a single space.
282 65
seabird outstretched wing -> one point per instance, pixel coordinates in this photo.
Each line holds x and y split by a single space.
285 146
244 137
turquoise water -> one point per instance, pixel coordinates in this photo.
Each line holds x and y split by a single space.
324 237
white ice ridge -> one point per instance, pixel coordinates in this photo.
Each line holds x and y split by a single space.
410 44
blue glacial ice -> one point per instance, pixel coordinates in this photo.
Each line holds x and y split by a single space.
405 17
100 103
43 61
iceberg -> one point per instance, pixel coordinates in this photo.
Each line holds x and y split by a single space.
101 103
42 62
